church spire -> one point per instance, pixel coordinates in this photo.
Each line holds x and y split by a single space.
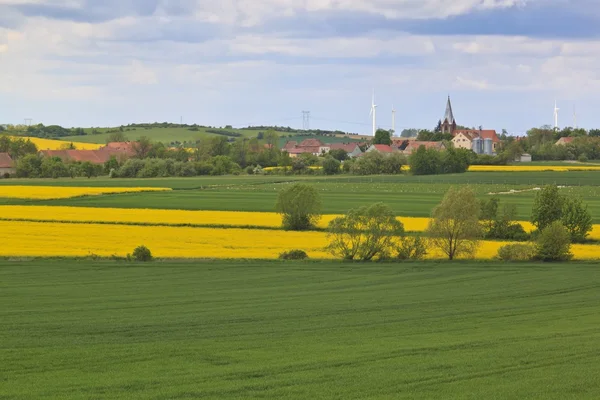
448 123
449 116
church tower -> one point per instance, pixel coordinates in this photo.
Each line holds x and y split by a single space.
448 123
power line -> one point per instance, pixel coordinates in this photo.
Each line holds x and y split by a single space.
306 120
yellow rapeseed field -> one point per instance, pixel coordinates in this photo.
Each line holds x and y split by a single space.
49 144
532 168
181 217
63 192
63 239
167 217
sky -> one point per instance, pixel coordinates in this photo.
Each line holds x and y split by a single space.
262 62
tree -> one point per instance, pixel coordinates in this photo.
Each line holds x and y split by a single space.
299 206
554 243
142 147
438 127
331 166
425 161
339 154
454 227
365 233
576 219
407 133
547 207
382 137
116 137
392 164
90 170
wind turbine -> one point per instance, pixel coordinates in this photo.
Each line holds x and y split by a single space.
394 121
556 115
373 113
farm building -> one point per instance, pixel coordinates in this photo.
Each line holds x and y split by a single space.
121 151
564 141
310 146
352 149
523 158
7 165
473 139
382 148
413 145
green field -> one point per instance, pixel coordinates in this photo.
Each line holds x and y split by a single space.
271 330
407 195
165 135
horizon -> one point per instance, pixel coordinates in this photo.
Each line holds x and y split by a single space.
503 63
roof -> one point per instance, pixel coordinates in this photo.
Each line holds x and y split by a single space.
305 149
566 139
347 147
449 115
310 143
6 161
413 145
383 148
483 134
125 147
99 156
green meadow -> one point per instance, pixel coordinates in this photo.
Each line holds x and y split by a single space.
407 195
298 330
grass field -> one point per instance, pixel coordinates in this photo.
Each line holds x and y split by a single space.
231 330
165 135
410 196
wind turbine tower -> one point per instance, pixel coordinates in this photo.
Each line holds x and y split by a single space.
374 113
556 115
393 121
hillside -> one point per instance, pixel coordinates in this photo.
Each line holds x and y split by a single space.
166 135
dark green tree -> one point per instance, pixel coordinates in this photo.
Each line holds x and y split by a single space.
382 137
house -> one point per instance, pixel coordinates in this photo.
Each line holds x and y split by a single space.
448 123
465 139
382 148
413 145
523 158
308 146
7 165
563 141
352 149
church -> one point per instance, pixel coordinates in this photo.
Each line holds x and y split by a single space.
449 123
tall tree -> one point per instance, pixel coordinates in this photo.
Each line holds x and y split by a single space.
547 207
454 228
382 137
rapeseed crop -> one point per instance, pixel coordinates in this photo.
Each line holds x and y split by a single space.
43 239
532 168
63 192
49 144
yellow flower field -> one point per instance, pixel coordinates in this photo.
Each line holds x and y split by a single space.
63 192
168 217
532 168
49 144
181 217
63 239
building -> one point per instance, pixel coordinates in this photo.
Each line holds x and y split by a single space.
381 148
563 141
473 139
413 145
448 123
121 151
308 146
525 157
7 165
352 149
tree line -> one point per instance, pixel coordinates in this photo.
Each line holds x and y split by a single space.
456 227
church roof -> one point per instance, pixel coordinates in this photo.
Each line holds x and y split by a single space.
449 115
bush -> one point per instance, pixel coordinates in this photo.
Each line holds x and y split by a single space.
554 243
293 255
6 175
142 254
331 166
300 207
583 158
577 219
516 252
412 248
365 233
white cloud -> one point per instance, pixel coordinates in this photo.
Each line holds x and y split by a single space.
140 74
